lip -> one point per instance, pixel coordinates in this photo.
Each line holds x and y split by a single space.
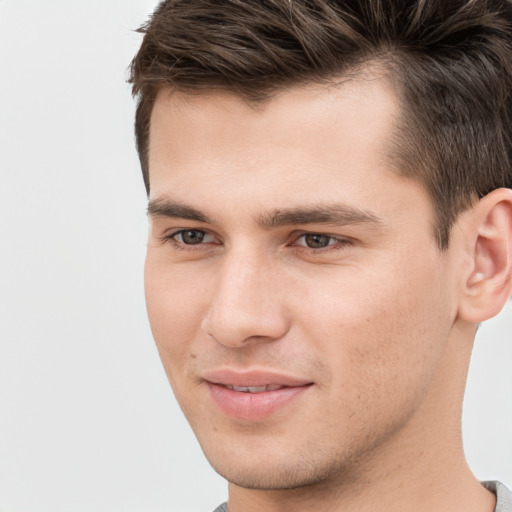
253 406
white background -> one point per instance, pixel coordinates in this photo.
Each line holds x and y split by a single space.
87 419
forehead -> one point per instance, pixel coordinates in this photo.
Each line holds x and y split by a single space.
346 94
301 126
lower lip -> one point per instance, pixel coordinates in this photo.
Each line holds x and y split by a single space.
253 406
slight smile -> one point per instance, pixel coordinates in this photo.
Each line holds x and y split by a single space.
253 395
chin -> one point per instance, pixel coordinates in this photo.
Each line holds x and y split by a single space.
268 478
288 472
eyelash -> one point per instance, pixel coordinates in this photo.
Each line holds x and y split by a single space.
182 246
339 242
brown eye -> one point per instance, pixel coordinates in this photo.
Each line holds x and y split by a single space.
317 241
190 236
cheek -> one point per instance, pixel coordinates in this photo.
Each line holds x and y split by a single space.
376 332
176 304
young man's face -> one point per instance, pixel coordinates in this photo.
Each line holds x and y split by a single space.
302 309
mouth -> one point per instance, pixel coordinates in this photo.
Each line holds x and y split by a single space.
255 389
253 396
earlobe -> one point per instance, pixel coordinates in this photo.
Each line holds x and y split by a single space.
489 284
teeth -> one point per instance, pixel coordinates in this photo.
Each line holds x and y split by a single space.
274 387
255 389
250 389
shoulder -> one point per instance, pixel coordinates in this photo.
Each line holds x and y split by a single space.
503 496
224 508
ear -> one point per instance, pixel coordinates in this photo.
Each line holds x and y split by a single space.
488 285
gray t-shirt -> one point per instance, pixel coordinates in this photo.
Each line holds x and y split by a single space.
503 498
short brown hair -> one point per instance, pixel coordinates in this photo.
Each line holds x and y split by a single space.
450 62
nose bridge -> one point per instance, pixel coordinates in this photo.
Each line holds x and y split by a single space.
245 304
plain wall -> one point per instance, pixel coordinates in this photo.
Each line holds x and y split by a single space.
87 419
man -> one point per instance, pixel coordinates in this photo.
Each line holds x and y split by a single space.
330 214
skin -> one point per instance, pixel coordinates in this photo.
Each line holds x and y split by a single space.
380 321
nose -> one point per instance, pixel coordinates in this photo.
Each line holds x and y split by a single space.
245 306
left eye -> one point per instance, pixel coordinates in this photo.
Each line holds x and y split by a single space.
316 240
192 236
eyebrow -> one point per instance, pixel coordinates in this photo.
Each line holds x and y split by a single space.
333 214
162 207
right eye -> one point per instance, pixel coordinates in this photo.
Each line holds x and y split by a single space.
192 236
